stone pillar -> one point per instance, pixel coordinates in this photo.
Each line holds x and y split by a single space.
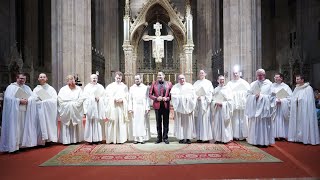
129 64
8 50
71 40
182 58
242 37
31 36
129 56
187 70
208 34
111 39
188 47
8 31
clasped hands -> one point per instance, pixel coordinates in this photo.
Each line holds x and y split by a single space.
118 100
131 112
219 104
160 98
23 101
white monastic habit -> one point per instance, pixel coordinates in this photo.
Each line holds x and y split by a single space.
95 112
116 113
71 112
18 121
47 115
184 103
139 105
239 120
281 111
303 125
259 113
221 115
203 110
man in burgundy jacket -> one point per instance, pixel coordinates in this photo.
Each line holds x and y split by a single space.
159 92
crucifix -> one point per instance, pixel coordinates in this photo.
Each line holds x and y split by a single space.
157 43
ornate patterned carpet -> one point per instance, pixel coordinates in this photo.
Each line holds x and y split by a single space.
158 154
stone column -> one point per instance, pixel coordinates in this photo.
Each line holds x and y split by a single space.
187 70
242 37
208 34
71 40
188 47
111 39
129 70
129 56
8 49
31 36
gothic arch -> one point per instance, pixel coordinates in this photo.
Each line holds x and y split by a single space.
157 10
180 27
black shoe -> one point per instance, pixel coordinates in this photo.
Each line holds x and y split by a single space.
135 142
181 141
199 141
158 141
188 141
166 141
205 141
142 142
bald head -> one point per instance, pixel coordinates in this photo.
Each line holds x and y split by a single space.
181 79
94 79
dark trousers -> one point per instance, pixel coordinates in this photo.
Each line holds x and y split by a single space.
162 115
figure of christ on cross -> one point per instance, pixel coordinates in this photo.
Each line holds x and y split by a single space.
157 42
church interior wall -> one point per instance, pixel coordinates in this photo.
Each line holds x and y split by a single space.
289 33
98 26
208 35
308 26
25 26
268 42
31 41
204 36
6 41
121 59
280 20
136 5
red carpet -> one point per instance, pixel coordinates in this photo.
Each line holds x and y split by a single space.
298 161
158 154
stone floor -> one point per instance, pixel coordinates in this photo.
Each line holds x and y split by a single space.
153 124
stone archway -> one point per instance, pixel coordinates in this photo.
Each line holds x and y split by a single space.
162 11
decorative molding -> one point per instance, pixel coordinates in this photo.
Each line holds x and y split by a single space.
175 18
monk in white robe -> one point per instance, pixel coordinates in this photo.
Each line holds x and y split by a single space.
19 127
139 107
47 111
258 110
70 101
303 125
239 120
204 90
184 102
281 107
117 111
222 110
94 110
